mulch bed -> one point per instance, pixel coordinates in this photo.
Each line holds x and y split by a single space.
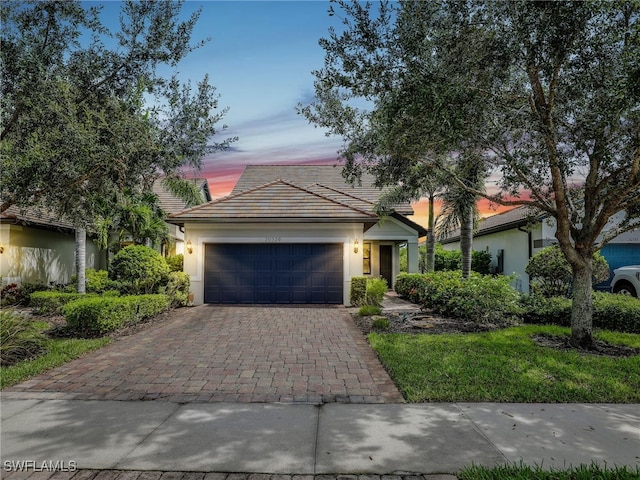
426 322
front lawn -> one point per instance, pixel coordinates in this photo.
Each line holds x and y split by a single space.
56 351
507 366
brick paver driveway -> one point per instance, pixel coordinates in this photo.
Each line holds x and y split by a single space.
219 353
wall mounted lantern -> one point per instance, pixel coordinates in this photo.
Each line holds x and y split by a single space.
355 246
189 247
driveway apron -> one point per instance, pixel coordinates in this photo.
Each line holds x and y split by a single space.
228 354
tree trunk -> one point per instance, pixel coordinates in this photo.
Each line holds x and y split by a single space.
431 238
582 307
466 242
81 258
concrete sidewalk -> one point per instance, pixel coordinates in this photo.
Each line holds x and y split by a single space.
310 439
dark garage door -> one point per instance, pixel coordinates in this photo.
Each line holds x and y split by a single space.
273 273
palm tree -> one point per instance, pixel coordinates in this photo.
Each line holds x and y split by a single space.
424 180
460 207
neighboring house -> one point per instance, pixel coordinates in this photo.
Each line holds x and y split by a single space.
514 236
292 234
35 246
172 204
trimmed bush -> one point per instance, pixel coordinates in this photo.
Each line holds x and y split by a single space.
616 312
610 312
52 303
140 269
178 288
478 298
98 281
100 315
358 294
375 290
175 262
551 273
19 338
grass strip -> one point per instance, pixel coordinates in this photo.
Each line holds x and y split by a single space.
58 351
507 366
524 472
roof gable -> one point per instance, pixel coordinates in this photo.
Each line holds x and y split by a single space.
276 201
329 176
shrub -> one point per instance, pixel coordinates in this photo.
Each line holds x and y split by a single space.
19 338
358 294
408 285
10 295
52 303
551 273
381 323
610 312
546 310
375 290
100 315
368 310
479 298
616 312
140 269
178 288
452 260
14 294
98 281
175 262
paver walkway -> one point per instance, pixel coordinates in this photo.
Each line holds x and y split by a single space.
228 354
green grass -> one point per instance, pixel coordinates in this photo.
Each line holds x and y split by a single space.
58 351
507 366
523 472
367 310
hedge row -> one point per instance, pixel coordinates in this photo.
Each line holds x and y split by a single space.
99 315
367 291
52 302
610 312
487 298
484 298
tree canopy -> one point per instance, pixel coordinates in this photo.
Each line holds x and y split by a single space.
546 94
86 113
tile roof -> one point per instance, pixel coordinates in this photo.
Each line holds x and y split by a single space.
514 218
36 217
278 201
308 175
172 204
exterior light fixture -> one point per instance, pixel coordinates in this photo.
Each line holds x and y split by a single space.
355 246
189 247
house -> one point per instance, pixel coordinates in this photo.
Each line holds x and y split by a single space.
38 247
514 236
292 234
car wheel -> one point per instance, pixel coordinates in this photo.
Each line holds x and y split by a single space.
625 288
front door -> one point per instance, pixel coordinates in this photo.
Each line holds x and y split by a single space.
386 264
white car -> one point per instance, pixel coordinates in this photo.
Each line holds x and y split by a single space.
626 280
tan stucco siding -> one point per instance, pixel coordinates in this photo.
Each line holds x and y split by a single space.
35 255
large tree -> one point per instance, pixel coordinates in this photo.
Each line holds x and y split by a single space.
85 112
547 92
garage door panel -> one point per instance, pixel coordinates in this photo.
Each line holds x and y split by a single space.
273 273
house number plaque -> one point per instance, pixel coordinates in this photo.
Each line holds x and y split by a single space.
272 239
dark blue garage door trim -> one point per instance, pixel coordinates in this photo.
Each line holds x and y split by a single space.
273 273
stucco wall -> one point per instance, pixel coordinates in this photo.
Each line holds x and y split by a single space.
515 252
35 255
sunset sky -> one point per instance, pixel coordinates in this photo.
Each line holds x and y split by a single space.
260 59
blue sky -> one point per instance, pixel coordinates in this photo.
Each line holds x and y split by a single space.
259 57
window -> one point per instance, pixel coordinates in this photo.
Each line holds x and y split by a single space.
366 258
